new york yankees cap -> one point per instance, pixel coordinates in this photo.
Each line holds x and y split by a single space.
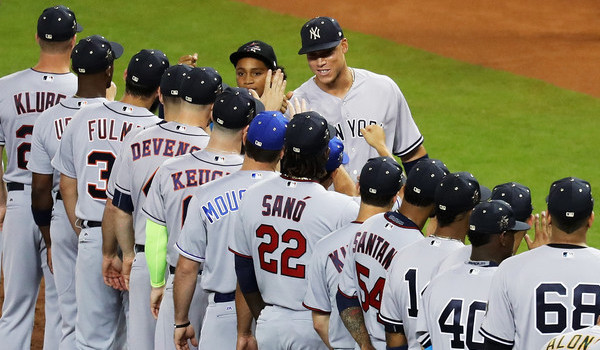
517 195
307 133
57 23
234 108
201 85
267 130
147 67
256 49
494 217
337 156
457 193
381 176
424 178
570 198
320 33
94 54
171 80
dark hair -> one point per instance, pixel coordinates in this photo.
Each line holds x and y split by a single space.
417 199
135 89
445 218
375 199
309 166
568 225
55 46
478 239
261 155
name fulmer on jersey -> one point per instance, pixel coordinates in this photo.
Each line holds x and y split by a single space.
107 129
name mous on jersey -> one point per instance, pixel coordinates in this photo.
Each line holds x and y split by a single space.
354 125
159 146
374 246
108 129
220 206
36 102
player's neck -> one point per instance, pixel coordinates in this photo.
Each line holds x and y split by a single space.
340 86
54 63
578 237
224 144
456 230
90 87
194 118
487 252
172 111
418 215
251 164
145 102
367 210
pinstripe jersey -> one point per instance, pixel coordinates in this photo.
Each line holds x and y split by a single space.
453 306
210 224
47 132
23 96
88 149
373 248
281 221
175 183
142 154
409 274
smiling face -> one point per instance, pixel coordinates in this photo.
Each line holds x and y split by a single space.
251 73
328 65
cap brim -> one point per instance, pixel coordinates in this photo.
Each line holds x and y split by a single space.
320 47
79 28
486 193
332 131
117 49
236 56
521 226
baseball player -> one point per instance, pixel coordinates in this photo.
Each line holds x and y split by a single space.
172 189
380 181
584 338
207 232
408 275
454 303
94 76
373 248
281 219
84 158
558 290
353 98
141 155
23 96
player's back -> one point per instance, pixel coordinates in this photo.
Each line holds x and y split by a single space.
585 339
23 96
453 306
456 257
282 219
408 276
541 293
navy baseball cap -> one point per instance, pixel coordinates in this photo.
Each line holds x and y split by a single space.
495 216
337 156
234 108
171 80
307 133
201 86
570 198
57 23
256 49
320 33
147 67
267 130
94 54
424 178
381 176
457 193
517 195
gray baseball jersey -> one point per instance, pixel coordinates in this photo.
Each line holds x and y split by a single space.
453 306
541 293
456 257
372 251
175 183
282 219
372 99
324 271
583 339
89 147
141 156
210 224
408 276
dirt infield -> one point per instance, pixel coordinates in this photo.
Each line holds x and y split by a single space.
557 41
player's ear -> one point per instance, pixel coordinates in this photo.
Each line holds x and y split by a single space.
125 75
245 135
160 96
344 45
591 220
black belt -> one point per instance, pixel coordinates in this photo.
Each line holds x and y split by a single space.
58 196
15 186
139 248
224 297
89 223
172 270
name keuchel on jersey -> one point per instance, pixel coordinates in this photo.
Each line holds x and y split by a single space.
194 177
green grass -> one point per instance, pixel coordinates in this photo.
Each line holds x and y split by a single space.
499 126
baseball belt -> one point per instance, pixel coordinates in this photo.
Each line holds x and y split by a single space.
15 186
87 223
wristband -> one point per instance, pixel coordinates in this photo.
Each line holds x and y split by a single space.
42 217
183 325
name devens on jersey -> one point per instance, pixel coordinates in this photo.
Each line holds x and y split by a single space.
222 205
107 129
292 209
36 102
160 146
374 246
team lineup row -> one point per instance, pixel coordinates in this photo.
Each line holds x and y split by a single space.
252 218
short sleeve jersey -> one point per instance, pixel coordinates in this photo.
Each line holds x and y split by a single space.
141 156
541 293
583 339
372 99
174 184
23 96
47 132
281 221
453 307
88 149
324 270
408 276
373 249
210 224
456 257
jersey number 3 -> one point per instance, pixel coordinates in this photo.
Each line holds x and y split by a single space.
289 236
104 161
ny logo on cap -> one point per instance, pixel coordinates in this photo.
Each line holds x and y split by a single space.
315 33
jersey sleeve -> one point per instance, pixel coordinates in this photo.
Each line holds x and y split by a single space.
422 330
498 324
154 206
317 297
116 170
348 214
407 136
193 237
39 159
63 159
390 311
